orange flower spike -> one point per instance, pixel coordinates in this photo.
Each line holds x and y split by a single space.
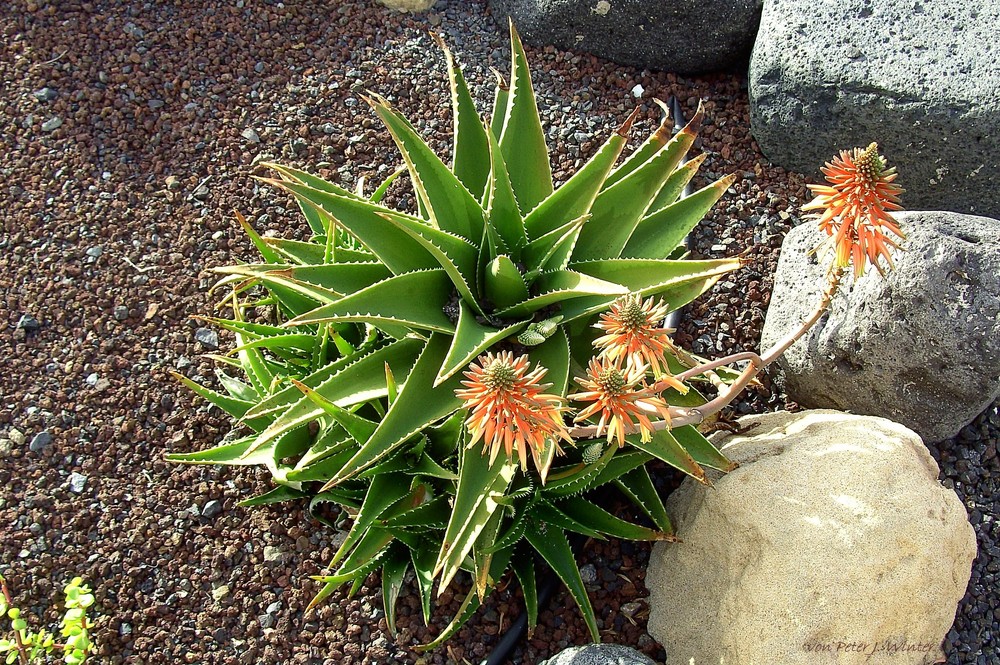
633 333
508 407
856 208
617 394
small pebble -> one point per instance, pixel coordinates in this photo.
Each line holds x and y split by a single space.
52 124
44 95
40 442
77 482
251 135
28 323
274 554
207 337
212 509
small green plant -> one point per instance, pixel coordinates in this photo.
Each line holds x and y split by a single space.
27 646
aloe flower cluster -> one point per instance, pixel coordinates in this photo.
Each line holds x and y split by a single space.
415 362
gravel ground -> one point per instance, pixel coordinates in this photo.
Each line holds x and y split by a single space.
130 133
971 466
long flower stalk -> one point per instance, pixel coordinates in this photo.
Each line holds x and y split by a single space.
680 416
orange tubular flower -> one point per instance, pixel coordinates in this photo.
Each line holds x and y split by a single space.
633 333
509 408
619 397
856 208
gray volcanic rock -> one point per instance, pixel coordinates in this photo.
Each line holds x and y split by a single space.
921 347
682 36
921 78
599 654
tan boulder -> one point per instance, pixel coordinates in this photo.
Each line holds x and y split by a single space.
408 5
833 542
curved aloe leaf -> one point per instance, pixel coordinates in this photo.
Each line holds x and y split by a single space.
457 256
294 175
551 516
647 149
358 382
638 486
553 250
677 281
676 183
265 250
415 299
618 209
471 603
482 554
665 447
423 557
384 491
470 158
524 568
576 478
622 463
393 573
279 494
575 197
661 232
340 278
277 401
701 449
479 485
522 140
471 338
312 253
359 429
237 408
561 285
502 212
366 222
501 98
593 516
449 205
551 543
418 405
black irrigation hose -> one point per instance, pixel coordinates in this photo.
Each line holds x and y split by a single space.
674 318
549 582
519 628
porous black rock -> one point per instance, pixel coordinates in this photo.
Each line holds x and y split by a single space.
682 36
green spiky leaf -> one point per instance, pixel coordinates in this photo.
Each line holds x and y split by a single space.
551 543
449 205
415 299
522 140
479 485
418 404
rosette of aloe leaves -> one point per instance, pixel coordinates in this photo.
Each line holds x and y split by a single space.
414 363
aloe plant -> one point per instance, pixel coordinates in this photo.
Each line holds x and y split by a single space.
350 395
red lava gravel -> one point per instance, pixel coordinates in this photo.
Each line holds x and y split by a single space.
130 132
